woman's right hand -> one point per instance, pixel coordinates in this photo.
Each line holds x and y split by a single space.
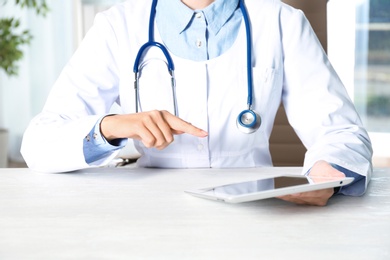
153 128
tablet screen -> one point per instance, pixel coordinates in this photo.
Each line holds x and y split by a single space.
259 185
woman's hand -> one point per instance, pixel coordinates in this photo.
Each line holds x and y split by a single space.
320 197
154 128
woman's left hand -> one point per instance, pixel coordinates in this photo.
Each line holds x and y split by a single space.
320 170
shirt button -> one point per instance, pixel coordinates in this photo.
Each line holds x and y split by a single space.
198 15
198 43
200 147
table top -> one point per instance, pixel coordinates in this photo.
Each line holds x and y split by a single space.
132 213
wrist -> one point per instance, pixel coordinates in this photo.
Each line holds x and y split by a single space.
106 126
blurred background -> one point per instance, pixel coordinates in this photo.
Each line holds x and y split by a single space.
358 44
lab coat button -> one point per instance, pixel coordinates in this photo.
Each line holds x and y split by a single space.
200 147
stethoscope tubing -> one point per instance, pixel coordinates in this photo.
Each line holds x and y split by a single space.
243 126
248 52
170 64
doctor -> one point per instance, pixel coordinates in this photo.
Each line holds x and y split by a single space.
185 112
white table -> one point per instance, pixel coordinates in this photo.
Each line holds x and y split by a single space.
129 213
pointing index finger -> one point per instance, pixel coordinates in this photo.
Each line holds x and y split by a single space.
179 126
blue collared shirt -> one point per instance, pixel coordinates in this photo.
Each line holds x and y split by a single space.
198 35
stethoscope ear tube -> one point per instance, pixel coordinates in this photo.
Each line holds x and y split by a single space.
170 66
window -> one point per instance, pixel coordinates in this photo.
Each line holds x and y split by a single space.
372 70
87 10
359 48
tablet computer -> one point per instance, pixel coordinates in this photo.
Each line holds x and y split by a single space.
268 188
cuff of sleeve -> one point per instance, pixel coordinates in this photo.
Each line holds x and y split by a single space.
356 188
96 147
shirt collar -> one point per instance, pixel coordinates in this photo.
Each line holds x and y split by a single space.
180 15
218 13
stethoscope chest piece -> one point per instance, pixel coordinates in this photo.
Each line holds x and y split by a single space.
248 121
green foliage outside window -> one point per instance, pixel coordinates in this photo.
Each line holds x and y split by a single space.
12 37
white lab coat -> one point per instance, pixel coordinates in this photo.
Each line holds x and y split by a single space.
289 65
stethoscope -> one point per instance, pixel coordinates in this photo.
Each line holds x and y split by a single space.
248 121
